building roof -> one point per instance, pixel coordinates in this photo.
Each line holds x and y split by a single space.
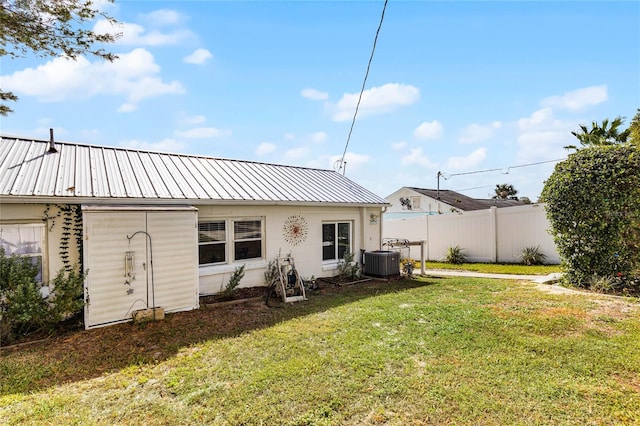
86 173
464 203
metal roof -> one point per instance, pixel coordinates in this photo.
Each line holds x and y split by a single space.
28 171
464 203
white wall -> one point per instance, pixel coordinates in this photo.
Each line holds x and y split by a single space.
38 213
366 235
426 204
492 235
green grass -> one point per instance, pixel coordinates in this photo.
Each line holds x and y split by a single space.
431 351
496 268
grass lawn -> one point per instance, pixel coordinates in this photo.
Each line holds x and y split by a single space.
495 268
427 351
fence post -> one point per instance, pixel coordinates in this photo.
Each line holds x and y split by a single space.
422 259
493 227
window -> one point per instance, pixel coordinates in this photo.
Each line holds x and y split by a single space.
415 203
216 245
24 240
247 237
336 240
212 242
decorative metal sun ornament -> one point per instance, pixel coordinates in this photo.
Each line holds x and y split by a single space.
295 230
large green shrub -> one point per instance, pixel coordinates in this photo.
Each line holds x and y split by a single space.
23 309
593 205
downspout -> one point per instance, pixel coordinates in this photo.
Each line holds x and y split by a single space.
382 211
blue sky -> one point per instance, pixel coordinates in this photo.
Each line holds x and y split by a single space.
456 87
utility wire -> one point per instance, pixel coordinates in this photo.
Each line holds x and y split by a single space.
495 170
364 82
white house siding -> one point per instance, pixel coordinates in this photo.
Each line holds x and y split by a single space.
425 204
365 234
37 213
163 244
491 235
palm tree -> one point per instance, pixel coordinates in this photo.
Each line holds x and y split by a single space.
606 133
505 192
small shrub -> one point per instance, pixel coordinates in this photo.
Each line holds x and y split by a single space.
23 310
455 255
271 273
532 256
67 297
347 268
234 281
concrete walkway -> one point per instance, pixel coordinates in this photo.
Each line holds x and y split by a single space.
542 279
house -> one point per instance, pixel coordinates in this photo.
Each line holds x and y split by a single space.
409 201
159 230
488 230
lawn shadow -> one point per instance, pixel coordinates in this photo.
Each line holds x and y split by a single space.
88 354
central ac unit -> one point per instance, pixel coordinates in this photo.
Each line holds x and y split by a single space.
382 264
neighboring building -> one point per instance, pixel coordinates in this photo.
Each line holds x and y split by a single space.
409 201
155 229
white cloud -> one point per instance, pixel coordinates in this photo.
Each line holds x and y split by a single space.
289 136
479 132
542 137
377 100
314 95
265 148
543 145
540 119
198 57
397 146
578 99
164 17
471 160
296 153
136 35
319 137
131 76
127 107
183 118
428 130
202 133
416 156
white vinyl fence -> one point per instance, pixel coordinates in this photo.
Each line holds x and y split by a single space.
492 235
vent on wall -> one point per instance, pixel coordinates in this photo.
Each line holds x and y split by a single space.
382 264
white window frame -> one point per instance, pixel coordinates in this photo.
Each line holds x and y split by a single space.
415 203
336 244
14 247
230 239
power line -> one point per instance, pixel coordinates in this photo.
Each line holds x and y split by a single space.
448 175
364 82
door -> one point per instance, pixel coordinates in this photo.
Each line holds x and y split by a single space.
136 260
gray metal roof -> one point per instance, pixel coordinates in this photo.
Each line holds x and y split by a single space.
28 170
464 203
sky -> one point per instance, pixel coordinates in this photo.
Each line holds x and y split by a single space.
461 94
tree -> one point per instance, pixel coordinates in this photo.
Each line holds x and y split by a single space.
505 192
606 133
50 28
634 130
593 206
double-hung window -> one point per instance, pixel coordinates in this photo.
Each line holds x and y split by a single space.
247 239
336 240
212 242
24 240
228 240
